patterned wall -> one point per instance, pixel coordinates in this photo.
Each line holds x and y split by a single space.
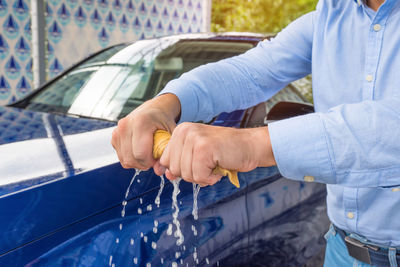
77 28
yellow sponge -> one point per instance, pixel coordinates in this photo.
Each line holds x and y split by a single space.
161 139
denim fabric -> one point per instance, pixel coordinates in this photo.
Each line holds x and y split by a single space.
336 253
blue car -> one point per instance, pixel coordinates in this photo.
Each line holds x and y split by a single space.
65 200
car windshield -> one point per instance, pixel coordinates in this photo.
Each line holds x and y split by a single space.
114 82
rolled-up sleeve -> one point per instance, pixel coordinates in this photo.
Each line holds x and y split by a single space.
350 145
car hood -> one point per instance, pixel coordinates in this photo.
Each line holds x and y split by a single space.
36 147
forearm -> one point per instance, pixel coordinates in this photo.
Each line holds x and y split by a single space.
354 145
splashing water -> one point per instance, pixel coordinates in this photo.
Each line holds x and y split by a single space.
196 190
194 230
169 230
178 233
137 172
157 200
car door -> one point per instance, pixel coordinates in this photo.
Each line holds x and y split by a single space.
286 217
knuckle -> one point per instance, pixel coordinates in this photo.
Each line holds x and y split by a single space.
126 164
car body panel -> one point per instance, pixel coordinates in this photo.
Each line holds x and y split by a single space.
63 193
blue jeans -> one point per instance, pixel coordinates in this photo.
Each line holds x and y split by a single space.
336 253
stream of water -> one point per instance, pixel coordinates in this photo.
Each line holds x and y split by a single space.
178 233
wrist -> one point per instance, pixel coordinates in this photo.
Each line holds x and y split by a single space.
262 147
170 105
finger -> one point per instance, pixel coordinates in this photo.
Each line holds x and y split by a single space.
142 145
200 170
186 160
124 145
170 176
173 152
158 168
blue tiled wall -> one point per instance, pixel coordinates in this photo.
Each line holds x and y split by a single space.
77 28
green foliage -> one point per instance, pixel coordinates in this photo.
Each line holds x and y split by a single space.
263 16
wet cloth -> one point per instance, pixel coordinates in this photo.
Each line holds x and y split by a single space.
161 139
351 142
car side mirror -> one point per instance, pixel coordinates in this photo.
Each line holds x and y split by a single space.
284 110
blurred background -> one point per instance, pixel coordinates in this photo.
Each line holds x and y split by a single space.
263 16
41 38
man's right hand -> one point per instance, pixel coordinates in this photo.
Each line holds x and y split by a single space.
133 138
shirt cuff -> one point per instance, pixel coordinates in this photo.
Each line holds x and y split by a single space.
301 150
187 98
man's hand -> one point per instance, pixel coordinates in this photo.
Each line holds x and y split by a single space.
196 149
133 138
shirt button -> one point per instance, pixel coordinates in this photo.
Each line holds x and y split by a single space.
309 178
369 78
350 215
377 27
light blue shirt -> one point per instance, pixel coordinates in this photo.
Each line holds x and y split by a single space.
352 142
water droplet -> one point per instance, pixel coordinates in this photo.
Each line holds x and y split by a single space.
207 260
155 223
155 230
141 200
123 213
184 247
124 203
197 261
195 255
177 254
174 264
141 234
162 260
194 230
153 245
135 260
132 241
169 230
145 239
110 261
148 264
117 240
181 261
120 226
139 211
149 207
180 202
138 180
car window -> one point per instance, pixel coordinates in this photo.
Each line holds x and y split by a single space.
116 81
257 115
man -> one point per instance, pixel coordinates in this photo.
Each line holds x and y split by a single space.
350 143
